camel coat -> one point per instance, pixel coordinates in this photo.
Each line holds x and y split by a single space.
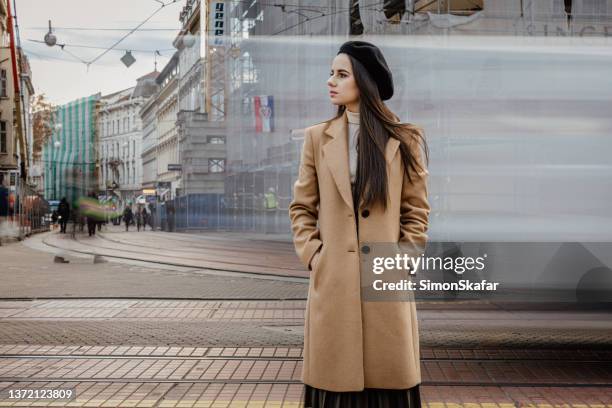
350 344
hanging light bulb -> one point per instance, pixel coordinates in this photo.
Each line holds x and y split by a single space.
128 59
50 38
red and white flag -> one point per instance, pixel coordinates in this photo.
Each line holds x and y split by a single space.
264 113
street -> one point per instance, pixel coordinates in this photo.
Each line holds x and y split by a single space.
153 325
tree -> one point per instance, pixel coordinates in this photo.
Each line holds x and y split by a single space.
43 124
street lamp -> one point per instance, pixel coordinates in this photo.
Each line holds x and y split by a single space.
50 38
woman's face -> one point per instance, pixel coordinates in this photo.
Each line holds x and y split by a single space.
342 87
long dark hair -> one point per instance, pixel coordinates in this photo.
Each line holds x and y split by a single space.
377 125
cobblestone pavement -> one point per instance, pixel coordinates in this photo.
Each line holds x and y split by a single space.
139 335
135 352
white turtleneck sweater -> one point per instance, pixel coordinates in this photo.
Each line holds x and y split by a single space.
353 129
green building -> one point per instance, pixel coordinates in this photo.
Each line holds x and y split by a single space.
69 156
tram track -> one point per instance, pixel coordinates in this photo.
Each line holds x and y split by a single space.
277 358
286 370
225 270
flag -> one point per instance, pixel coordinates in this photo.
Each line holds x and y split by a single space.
264 113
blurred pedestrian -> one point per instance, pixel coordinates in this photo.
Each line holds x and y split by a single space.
54 218
139 218
151 216
128 216
4 204
91 218
145 218
63 210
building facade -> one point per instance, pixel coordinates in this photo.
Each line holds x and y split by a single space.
69 156
168 181
120 142
10 150
8 142
201 131
160 140
280 59
149 143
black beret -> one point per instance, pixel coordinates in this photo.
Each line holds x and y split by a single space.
372 59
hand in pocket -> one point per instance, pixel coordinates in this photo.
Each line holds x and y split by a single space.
315 260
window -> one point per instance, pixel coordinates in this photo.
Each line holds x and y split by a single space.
3 83
592 8
215 139
3 147
216 165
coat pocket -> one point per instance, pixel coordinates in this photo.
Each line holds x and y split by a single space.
316 267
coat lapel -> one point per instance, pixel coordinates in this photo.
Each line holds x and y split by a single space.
335 153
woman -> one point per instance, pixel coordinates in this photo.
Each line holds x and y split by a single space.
356 353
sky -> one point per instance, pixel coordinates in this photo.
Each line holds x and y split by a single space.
61 76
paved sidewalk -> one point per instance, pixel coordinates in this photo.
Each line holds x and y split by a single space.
136 353
31 273
133 333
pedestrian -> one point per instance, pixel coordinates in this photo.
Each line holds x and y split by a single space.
139 218
271 206
91 217
170 215
54 218
351 191
4 198
145 219
152 216
12 206
128 216
63 210
4 204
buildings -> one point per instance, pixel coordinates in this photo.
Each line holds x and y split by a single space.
283 54
183 150
70 155
16 134
160 141
201 129
120 133
9 163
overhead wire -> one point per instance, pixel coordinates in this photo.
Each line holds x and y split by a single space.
88 63
103 48
131 31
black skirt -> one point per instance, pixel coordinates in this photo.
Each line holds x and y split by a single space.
368 398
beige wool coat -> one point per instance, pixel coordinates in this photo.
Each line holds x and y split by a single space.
350 344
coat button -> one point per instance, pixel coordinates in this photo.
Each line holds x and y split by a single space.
365 249
365 213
